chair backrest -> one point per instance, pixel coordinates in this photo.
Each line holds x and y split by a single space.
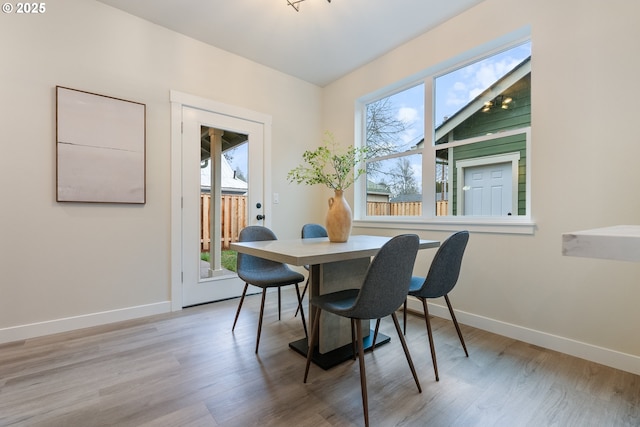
387 280
313 230
445 267
245 262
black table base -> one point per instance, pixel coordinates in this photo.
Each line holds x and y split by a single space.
339 355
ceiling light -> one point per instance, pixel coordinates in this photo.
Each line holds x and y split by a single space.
296 4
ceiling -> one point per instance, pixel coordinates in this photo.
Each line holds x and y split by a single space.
319 44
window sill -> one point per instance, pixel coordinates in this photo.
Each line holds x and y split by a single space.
475 224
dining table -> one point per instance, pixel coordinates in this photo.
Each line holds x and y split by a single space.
333 266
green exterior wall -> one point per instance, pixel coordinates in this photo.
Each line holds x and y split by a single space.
517 116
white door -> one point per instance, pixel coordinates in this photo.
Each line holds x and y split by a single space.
488 190
219 283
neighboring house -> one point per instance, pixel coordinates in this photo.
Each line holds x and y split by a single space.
487 175
224 140
230 183
377 192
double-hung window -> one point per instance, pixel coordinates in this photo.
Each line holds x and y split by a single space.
452 148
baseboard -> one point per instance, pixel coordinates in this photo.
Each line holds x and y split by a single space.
32 330
615 359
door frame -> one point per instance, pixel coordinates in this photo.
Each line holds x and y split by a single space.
178 101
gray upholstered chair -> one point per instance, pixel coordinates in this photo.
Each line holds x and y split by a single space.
442 277
264 274
383 290
310 231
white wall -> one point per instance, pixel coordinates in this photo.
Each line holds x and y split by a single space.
585 153
67 265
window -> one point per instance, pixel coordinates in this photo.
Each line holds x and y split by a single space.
473 163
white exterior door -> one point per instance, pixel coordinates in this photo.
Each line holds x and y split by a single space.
487 190
223 284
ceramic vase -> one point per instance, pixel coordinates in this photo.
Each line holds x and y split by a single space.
338 218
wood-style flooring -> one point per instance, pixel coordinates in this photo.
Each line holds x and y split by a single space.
189 369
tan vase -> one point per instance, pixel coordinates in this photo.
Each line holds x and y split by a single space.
338 218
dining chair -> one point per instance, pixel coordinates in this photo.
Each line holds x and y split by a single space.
442 277
383 290
264 274
310 231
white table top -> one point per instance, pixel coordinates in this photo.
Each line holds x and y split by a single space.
620 242
318 250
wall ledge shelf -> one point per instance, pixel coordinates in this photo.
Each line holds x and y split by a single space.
619 242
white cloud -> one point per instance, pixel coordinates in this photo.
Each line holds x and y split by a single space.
487 73
407 115
410 116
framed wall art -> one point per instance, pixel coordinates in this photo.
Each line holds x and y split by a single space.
100 148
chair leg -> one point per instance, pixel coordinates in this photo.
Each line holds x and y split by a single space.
455 322
353 338
304 291
404 316
311 341
363 374
304 322
246 285
375 335
433 350
264 293
406 350
279 303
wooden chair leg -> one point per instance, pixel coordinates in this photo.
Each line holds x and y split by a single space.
353 339
363 374
404 316
313 339
406 350
455 322
304 322
304 291
264 293
279 302
246 285
433 350
375 335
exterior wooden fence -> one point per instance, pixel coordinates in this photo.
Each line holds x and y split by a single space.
234 218
442 208
403 208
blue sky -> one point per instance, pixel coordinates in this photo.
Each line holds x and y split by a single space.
455 89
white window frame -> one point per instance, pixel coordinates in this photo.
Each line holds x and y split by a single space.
516 224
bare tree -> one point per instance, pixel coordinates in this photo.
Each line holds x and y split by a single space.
383 128
383 136
403 181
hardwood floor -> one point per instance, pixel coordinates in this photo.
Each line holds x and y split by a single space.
189 369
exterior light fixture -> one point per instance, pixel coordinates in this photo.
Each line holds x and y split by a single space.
501 101
296 4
